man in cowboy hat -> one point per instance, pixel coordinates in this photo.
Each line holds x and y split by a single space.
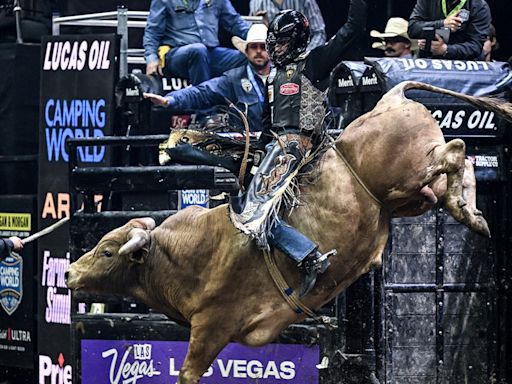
244 86
395 41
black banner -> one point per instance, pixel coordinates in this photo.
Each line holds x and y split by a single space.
17 322
77 100
455 117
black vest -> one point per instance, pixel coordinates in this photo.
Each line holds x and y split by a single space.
294 102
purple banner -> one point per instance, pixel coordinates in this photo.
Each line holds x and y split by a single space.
141 362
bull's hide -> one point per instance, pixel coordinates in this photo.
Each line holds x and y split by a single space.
198 269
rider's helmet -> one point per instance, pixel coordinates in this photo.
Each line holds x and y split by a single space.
288 37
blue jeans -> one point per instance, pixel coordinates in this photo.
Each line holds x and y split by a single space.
197 63
290 241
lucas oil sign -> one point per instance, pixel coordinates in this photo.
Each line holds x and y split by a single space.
146 362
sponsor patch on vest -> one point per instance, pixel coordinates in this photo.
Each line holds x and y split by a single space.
288 89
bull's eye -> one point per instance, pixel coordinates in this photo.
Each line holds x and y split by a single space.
107 253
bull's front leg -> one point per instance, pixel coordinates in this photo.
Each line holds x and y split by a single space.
450 159
206 342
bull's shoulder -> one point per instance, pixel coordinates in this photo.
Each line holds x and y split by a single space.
196 217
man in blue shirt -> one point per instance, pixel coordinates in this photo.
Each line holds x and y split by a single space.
181 38
244 86
270 8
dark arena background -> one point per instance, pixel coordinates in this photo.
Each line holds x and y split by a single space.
439 311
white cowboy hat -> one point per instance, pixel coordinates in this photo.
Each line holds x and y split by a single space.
396 26
257 34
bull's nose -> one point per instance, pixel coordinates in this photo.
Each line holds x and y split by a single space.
66 275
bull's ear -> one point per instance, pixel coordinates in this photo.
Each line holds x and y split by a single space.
136 246
139 255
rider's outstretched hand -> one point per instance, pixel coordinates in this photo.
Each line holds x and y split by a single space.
156 99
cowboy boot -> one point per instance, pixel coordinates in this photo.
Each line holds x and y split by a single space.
311 266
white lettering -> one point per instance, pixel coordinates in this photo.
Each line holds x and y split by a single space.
59 374
129 372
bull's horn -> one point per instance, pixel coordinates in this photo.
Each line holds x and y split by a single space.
149 222
142 222
137 238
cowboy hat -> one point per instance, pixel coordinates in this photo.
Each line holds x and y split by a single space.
396 26
257 34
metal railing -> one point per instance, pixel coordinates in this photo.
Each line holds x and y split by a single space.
122 19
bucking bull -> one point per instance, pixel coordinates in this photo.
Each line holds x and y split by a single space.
200 271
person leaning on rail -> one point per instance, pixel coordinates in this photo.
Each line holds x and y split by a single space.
181 38
244 86
309 8
468 21
8 245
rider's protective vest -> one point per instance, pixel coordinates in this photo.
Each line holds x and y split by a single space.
294 101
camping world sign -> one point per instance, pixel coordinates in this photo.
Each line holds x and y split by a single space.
11 283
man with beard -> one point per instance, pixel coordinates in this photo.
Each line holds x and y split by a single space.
244 86
293 128
394 40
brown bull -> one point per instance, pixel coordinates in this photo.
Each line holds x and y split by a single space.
198 269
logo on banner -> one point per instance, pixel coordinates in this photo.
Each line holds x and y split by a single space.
76 55
455 119
348 82
369 80
193 197
124 371
58 305
15 221
11 283
485 161
55 373
125 362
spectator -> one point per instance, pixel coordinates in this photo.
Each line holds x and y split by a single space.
309 8
13 243
468 21
491 44
395 41
181 38
244 85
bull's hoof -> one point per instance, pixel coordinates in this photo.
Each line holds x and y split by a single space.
481 227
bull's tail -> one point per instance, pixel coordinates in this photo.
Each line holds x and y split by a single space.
501 107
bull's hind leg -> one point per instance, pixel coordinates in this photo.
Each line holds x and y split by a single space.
450 159
206 342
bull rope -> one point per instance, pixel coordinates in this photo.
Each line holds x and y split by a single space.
354 174
243 166
285 290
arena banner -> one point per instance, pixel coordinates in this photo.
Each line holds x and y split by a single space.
146 362
455 117
78 74
190 197
17 323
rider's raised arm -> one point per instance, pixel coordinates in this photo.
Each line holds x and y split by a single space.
323 59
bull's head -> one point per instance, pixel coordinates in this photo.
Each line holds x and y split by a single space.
112 263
